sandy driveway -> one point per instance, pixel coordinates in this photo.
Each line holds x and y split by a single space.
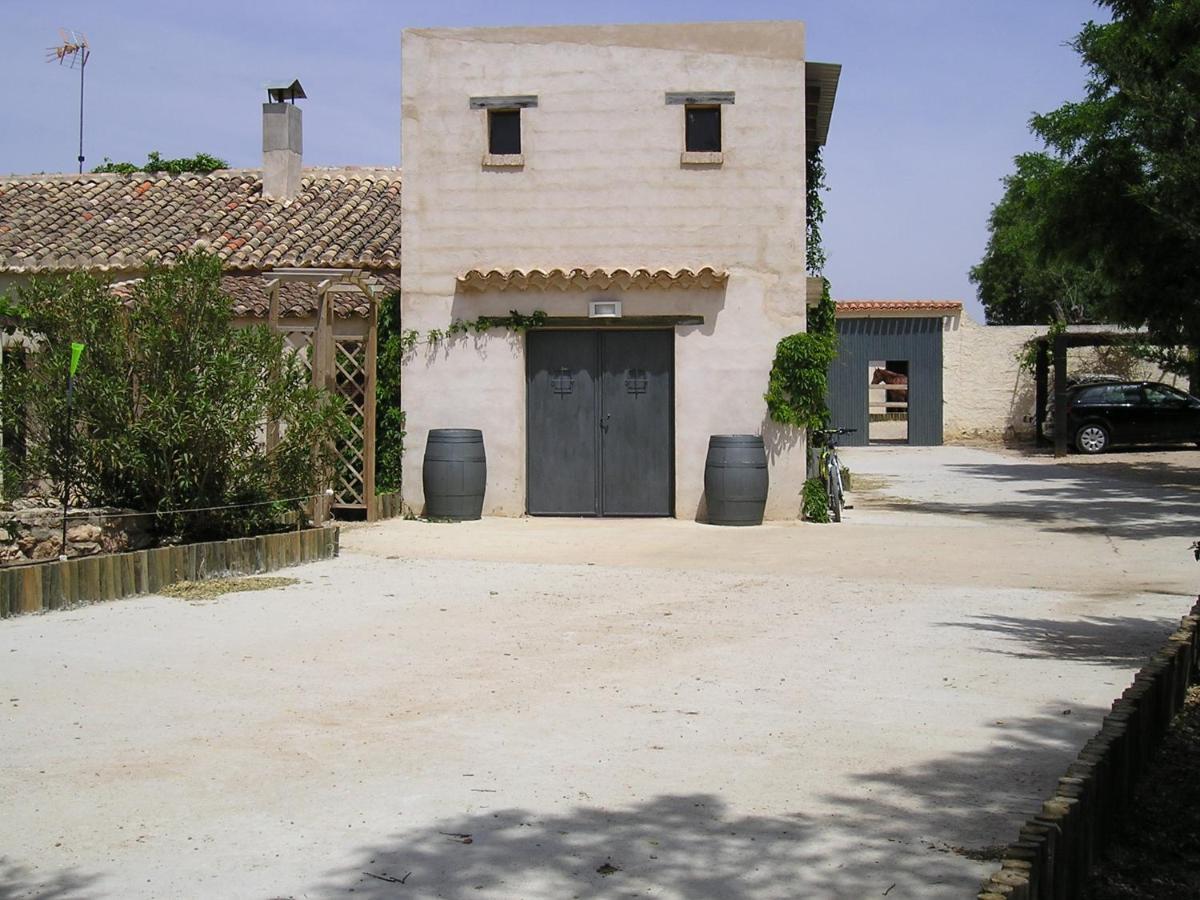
556 709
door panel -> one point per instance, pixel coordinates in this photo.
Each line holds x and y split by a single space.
599 423
635 423
563 445
1168 414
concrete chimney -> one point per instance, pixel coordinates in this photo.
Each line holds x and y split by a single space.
283 141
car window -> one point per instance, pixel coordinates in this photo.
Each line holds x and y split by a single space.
1161 395
1105 394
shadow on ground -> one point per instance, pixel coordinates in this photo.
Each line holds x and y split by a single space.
18 882
973 803
677 846
926 831
1121 641
1137 500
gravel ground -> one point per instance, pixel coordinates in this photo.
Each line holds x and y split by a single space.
553 708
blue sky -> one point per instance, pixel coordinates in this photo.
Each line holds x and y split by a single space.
933 102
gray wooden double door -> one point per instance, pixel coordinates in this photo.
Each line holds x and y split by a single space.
600 435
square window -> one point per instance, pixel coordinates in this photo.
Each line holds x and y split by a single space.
504 131
702 129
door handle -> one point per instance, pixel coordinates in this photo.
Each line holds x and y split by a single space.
604 422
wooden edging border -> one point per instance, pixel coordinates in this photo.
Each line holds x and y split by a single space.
92 579
1057 848
389 505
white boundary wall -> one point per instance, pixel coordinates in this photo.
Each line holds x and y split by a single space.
988 396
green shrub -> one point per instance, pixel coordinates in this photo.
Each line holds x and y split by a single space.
389 417
171 403
815 500
800 372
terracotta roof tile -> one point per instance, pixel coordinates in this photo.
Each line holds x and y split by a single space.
122 222
589 279
949 306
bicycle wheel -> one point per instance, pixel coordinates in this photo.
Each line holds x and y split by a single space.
834 487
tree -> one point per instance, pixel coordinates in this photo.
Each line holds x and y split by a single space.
1015 284
1121 200
171 403
202 163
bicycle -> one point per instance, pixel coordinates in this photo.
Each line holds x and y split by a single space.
831 469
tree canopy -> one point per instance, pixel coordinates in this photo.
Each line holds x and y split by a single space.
202 163
1106 221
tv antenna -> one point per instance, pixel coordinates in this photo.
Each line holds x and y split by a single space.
72 50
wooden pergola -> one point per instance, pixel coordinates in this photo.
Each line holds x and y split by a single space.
1052 351
341 352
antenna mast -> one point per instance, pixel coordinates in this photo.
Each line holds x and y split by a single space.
73 48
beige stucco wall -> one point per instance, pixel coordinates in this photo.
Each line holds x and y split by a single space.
987 395
602 186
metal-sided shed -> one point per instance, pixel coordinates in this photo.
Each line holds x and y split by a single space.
905 335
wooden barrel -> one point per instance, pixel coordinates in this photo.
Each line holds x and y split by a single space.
454 474
735 479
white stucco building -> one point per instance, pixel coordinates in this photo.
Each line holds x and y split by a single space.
574 170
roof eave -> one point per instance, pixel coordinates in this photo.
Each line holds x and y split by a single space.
821 83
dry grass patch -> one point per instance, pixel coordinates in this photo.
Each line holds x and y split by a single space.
216 587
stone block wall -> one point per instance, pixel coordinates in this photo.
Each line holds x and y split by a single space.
987 393
31 531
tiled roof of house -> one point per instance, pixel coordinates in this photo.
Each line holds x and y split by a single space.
251 297
946 306
341 217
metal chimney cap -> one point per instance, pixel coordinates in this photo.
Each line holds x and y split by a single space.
283 91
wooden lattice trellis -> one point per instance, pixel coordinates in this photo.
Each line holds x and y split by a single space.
340 353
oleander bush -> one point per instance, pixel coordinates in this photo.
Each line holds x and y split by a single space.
170 407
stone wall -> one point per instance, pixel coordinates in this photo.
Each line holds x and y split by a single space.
31 531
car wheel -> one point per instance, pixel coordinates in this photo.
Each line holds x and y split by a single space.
1091 439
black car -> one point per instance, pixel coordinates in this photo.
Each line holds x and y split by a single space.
1130 412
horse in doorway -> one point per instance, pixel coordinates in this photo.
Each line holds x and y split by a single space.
887 376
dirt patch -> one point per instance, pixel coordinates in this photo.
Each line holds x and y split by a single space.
861 484
1156 851
217 587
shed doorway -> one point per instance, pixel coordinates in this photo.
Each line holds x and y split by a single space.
599 406
888 402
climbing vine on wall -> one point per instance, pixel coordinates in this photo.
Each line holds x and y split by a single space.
799 375
513 322
389 415
396 343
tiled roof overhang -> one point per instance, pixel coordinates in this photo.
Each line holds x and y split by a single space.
250 295
589 279
861 308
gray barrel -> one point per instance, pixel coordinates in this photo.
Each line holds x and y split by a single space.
455 473
735 479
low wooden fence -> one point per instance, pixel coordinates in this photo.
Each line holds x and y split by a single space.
91 579
1058 847
388 506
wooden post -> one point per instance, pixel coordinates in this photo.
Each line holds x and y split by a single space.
1041 392
1060 396
369 410
324 354
273 323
